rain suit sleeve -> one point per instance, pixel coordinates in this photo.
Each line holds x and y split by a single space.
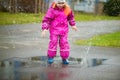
71 19
47 19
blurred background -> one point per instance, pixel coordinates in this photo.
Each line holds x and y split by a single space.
109 7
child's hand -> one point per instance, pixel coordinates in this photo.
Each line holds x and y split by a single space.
43 33
75 28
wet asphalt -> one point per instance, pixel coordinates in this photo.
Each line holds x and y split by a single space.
25 41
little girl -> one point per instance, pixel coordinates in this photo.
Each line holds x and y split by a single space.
56 21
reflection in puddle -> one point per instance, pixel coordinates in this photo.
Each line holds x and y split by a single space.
36 68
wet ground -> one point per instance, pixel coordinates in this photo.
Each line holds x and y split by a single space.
36 68
23 54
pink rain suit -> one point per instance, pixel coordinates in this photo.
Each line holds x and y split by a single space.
56 21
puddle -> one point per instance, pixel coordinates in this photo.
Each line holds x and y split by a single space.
36 68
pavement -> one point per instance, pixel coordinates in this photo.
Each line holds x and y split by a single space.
23 54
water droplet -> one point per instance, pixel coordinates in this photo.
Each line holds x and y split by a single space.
14 22
13 47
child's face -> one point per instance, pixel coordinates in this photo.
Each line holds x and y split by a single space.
60 4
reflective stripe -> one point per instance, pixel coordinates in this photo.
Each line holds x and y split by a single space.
65 50
52 50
